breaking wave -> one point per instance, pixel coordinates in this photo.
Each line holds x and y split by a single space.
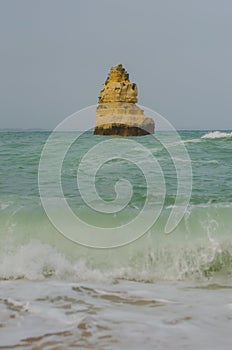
201 248
216 135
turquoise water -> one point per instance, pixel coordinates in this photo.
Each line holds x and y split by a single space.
203 235
193 261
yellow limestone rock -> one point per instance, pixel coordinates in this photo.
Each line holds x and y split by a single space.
117 112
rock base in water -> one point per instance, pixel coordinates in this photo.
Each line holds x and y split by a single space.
121 130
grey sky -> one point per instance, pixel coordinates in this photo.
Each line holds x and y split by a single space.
55 55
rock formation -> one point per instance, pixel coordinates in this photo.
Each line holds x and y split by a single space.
117 113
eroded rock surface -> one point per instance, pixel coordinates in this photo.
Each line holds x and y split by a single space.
117 112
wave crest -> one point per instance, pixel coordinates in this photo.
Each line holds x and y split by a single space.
216 135
38 261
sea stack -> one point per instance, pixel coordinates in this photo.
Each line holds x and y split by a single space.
117 112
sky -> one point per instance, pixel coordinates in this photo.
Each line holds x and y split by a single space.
56 54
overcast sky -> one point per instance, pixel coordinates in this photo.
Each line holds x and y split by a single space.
55 55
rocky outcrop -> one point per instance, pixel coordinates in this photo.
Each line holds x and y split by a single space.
117 112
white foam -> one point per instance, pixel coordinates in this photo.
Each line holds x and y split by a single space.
216 135
37 261
191 141
4 206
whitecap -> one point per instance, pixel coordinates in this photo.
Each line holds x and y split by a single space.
191 141
216 135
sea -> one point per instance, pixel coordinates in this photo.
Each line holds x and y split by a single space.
160 284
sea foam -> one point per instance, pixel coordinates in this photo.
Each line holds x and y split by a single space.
216 135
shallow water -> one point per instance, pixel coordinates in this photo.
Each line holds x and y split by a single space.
62 315
159 291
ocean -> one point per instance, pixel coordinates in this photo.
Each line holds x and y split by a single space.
110 280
